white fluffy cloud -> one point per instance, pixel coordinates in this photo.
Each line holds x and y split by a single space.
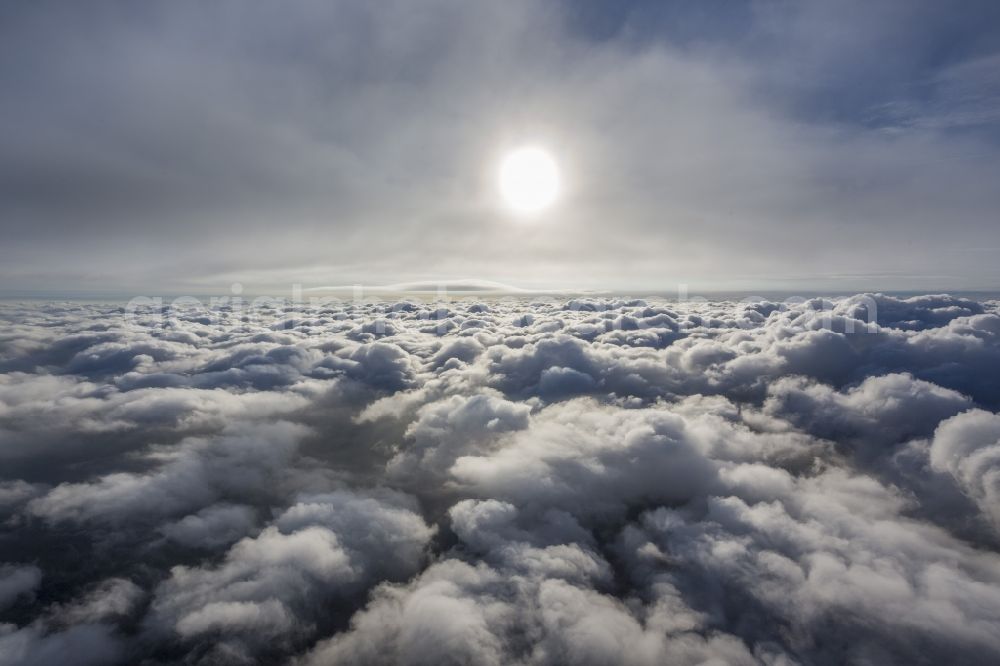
577 456
194 473
967 446
503 481
271 587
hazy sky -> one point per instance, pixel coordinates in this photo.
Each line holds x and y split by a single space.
167 146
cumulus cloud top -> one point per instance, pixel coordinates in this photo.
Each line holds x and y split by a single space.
496 481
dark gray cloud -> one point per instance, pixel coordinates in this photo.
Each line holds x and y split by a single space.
17 581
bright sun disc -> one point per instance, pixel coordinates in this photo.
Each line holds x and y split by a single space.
529 180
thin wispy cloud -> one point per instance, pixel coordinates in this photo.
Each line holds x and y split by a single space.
707 143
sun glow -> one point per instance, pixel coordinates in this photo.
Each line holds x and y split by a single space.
529 180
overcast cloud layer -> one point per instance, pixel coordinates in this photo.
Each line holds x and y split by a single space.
180 145
502 482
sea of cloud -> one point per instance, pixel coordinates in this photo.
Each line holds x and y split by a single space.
501 481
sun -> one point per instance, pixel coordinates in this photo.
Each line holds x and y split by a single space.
529 180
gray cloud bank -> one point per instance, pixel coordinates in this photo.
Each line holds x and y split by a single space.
179 145
498 481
